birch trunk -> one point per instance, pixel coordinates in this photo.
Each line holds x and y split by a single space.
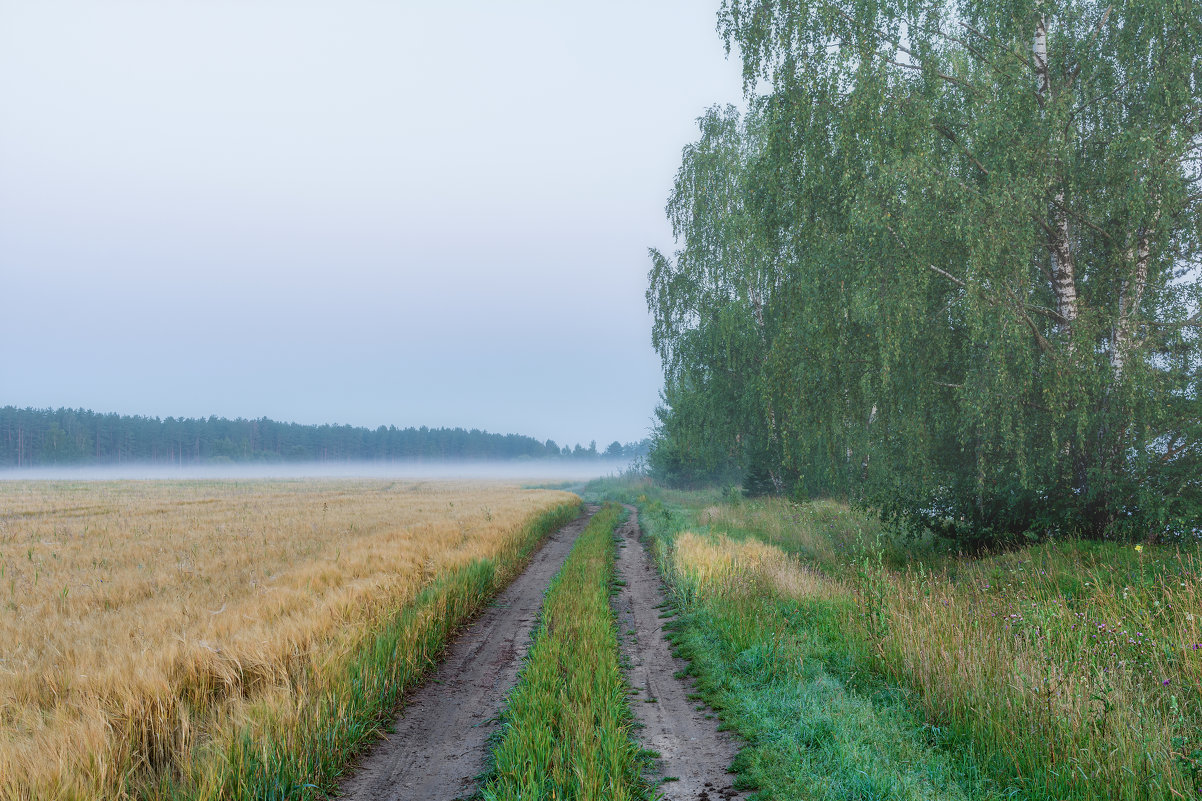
1064 272
1131 294
1064 268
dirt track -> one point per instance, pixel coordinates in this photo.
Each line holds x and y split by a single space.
439 742
690 746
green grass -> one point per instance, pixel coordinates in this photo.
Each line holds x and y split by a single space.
780 674
1063 670
342 704
566 730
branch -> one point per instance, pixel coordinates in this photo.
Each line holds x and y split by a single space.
1191 323
1051 314
918 67
901 49
1171 452
852 21
944 273
1077 216
1040 339
951 138
1018 56
1097 30
1019 306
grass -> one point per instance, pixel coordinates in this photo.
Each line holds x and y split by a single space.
863 665
231 640
566 730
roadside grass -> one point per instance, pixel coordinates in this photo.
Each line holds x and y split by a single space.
566 732
319 604
294 745
863 665
763 635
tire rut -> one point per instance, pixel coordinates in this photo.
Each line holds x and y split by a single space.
438 744
685 734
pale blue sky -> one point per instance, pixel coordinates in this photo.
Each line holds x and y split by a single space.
353 212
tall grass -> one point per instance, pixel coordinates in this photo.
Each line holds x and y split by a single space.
1083 680
197 616
566 730
1064 670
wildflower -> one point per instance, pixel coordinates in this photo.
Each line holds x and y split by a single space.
1139 547
1165 682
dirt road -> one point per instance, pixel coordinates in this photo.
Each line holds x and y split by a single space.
439 742
687 738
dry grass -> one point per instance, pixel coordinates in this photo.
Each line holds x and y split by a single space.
820 533
719 565
1074 667
138 616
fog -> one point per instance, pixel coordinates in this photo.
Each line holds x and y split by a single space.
526 471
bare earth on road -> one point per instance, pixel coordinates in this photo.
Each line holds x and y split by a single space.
690 746
439 742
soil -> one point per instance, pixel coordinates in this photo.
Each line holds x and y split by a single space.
684 732
438 744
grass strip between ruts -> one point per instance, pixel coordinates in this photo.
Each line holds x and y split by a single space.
567 730
300 752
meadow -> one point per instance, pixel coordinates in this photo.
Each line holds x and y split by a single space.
231 639
860 663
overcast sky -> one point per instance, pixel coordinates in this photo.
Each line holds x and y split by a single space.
407 213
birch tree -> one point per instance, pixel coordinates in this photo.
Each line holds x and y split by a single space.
980 222
710 303
1026 188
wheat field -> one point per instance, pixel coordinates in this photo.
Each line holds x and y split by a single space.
138 616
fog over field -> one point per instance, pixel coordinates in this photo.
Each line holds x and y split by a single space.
526 470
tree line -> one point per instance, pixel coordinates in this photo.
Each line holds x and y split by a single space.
38 437
945 265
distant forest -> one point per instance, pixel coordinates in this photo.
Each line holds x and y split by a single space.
36 437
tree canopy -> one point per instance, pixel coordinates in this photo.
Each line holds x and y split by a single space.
946 265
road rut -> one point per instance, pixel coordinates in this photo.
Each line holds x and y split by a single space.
439 743
687 738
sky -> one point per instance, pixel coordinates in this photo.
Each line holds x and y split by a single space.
375 213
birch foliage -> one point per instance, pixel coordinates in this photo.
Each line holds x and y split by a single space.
973 232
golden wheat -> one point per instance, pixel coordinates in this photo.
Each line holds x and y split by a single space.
135 612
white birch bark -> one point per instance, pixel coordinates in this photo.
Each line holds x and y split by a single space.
1039 52
1131 294
1064 272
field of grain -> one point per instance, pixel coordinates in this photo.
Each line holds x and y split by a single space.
139 618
